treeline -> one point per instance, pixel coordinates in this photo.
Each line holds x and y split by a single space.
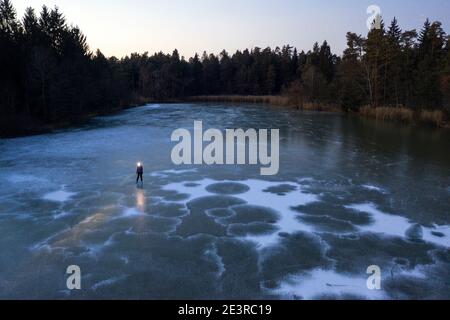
396 68
49 75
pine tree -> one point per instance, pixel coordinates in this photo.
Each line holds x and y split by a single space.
271 80
374 63
31 24
424 38
353 91
430 62
326 61
408 47
393 65
9 25
11 86
446 79
196 67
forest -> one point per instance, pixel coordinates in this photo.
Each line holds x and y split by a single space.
50 77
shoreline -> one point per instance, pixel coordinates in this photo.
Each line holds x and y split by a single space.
36 127
401 115
276 101
423 118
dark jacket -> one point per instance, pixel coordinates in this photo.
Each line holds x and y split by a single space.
140 170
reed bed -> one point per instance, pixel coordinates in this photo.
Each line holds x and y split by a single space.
399 114
434 118
273 100
280 101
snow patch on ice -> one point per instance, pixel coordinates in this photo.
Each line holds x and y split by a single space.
95 250
306 180
382 222
62 215
214 255
108 282
431 235
130 213
322 283
255 196
59 196
374 188
419 272
397 226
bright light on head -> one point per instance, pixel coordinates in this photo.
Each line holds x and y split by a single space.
139 164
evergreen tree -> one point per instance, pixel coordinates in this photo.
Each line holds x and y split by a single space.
374 63
430 62
352 75
408 57
11 84
31 25
393 65
9 25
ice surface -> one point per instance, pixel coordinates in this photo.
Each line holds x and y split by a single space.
22 178
168 173
337 206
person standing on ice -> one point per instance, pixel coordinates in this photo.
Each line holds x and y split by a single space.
140 172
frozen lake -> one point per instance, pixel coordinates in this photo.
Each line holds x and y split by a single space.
351 193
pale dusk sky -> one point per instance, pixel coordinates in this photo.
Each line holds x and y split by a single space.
119 27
